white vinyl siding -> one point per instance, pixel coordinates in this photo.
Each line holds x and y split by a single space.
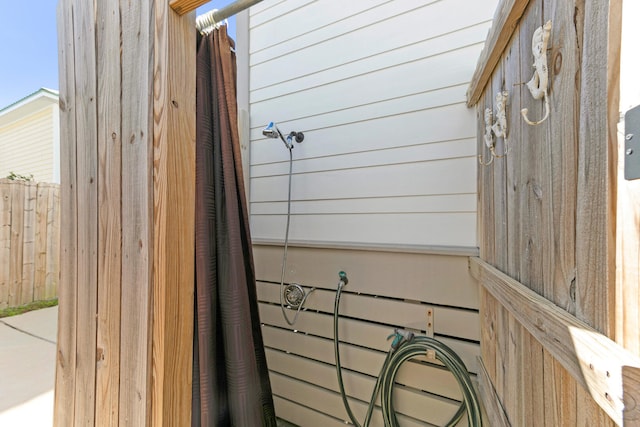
385 291
384 188
378 88
27 146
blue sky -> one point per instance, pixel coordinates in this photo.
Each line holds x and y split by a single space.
29 47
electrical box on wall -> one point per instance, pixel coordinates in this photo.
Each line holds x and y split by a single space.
632 144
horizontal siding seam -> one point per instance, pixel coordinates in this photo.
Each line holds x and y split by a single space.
415 162
340 20
364 58
355 76
367 213
340 199
465 251
373 150
369 119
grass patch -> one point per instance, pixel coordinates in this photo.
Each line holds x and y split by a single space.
36 305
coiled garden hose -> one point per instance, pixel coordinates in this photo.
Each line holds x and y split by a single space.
403 348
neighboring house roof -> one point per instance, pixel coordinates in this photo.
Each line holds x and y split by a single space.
31 103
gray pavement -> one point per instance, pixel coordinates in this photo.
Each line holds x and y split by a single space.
27 368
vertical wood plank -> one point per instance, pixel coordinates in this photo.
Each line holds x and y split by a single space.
597 149
28 243
531 190
17 225
488 305
137 86
628 262
110 221
628 195
5 242
53 244
513 78
517 363
562 134
590 414
485 185
174 215
41 242
64 398
533 380
488 338
560 394
499 169
507 334
87 218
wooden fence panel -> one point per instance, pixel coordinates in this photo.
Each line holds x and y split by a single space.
5 243
547 209
29 242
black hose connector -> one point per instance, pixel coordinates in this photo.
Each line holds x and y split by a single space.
343 277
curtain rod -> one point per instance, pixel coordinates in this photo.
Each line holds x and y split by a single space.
214 17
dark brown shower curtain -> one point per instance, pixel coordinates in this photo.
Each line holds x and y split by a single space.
230 378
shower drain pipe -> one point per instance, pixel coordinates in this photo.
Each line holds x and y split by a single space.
403 348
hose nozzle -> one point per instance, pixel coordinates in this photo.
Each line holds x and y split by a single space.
343 277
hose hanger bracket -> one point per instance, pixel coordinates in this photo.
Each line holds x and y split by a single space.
430 326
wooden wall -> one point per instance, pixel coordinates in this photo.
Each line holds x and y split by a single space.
547 220
127 111
386 290
29 242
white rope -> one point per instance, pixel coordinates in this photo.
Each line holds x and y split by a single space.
207 22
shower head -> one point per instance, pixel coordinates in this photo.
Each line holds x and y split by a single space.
272 131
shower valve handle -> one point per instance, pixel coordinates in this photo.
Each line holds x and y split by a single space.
299 136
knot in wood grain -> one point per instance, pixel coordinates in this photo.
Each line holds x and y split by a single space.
557 63
537 190
61 362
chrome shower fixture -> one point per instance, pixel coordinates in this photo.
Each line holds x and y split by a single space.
272 131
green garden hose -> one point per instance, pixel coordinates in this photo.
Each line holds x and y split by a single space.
403 348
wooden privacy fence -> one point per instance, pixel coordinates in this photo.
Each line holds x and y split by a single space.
29 241
559 344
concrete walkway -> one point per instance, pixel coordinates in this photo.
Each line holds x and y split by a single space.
27 368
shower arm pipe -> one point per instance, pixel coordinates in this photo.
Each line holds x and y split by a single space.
182 7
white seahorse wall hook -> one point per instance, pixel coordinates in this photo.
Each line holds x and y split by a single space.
500 126
488 135
497 128
539 83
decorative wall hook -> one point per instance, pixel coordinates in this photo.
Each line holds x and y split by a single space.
539 83
488 135
500 126
497 128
